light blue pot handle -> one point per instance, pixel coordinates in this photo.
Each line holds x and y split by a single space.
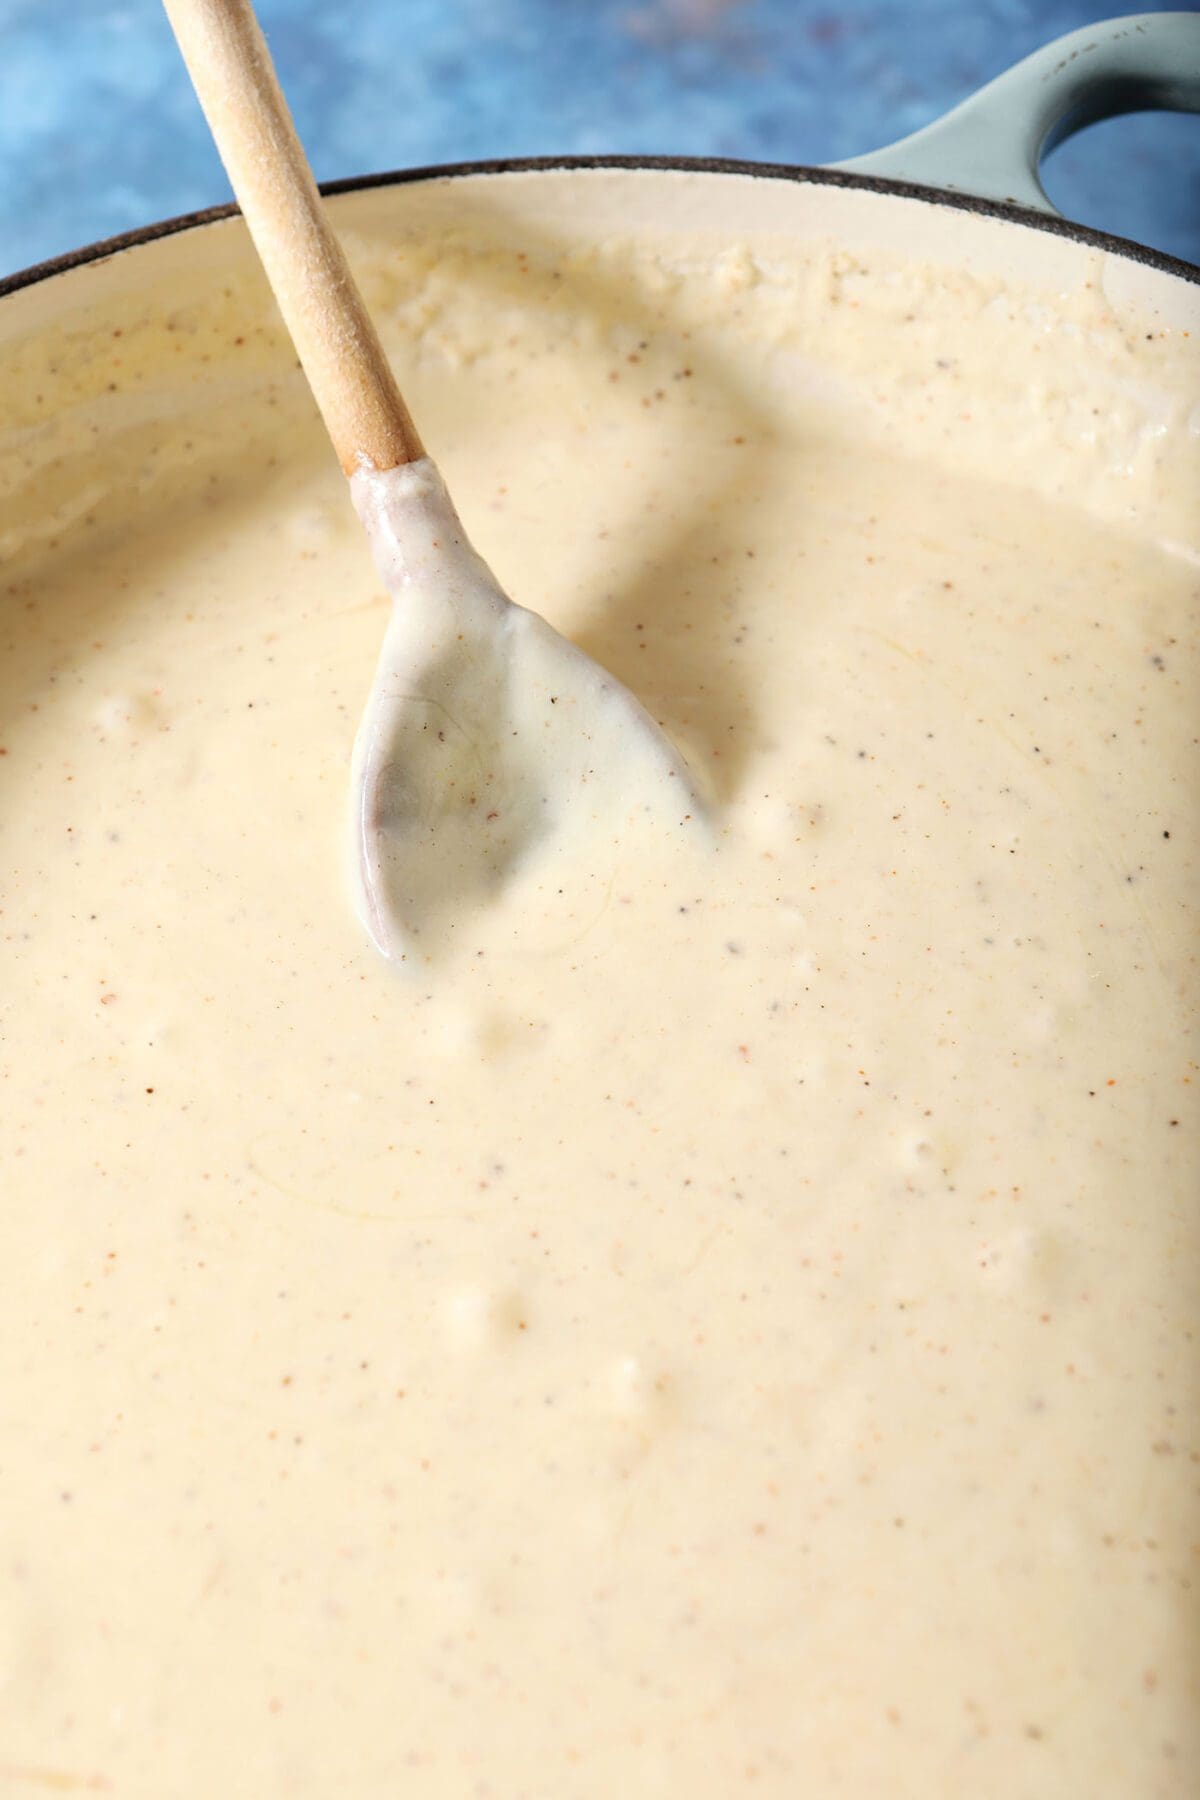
992 144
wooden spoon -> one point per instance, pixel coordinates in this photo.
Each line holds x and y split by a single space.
489 742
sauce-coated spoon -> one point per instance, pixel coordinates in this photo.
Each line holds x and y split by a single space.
488 739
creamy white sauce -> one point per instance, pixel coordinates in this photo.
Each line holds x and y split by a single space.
738 1337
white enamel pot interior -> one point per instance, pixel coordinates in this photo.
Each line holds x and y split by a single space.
171 338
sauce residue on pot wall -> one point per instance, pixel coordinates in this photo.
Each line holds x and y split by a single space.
743 1343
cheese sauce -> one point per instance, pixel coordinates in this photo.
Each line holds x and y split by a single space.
736 1339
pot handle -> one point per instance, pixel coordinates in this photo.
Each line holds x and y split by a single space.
992 144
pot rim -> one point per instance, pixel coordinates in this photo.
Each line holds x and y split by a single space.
799 173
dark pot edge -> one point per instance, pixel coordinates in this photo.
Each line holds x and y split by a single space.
1017 215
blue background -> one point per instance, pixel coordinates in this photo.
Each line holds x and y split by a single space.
99 131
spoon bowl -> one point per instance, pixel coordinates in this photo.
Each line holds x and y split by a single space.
489 742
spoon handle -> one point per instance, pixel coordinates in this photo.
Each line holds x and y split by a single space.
338 346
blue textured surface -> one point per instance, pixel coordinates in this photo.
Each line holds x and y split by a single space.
99 131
